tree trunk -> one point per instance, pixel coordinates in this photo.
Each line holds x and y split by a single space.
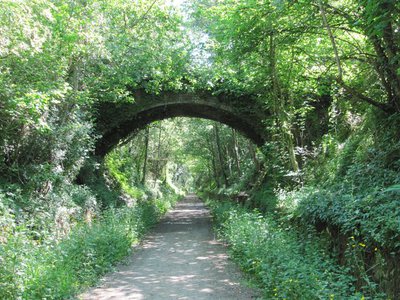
389 79
228 161
279 109
220 157
332 38
157 167
236 151
146 149
214 165
254 156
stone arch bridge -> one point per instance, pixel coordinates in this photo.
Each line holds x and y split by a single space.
117 122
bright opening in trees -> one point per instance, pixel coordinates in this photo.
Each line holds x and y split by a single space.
111 110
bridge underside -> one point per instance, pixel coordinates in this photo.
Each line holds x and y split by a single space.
117 122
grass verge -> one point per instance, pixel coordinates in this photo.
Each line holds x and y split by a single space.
286 264
55 269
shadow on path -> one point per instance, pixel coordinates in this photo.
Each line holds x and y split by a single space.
180 259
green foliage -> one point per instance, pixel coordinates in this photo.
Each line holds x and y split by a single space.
287 264
350 196
357 190
330 159
57 59
117 164
393 188
372 218
58 269
264 198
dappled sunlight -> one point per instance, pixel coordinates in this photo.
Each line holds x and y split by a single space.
283 115
180 259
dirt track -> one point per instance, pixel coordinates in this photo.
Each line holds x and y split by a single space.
180 259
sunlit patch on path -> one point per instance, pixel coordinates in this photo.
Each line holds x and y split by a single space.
180 259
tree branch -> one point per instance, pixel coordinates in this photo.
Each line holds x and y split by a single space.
145 14
332 38
356 94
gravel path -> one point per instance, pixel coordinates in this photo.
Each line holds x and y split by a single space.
180 259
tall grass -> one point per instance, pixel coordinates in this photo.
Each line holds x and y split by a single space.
286 264
53 269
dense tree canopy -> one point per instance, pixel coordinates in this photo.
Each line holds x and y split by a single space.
327 73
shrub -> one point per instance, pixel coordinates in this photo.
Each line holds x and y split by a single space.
286 263
51 269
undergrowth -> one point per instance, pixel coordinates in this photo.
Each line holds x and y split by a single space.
287 264
59 268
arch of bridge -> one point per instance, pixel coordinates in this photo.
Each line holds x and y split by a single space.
117 121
